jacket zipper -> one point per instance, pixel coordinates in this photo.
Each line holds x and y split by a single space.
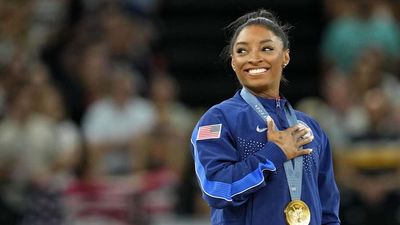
281 117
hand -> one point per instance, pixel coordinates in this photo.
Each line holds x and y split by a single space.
291 139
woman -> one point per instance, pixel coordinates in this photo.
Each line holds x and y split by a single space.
257 160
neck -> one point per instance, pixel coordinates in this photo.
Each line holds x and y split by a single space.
272 94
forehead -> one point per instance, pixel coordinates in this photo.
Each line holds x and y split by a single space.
256 33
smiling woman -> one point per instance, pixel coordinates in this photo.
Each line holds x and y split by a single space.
258 58
257 160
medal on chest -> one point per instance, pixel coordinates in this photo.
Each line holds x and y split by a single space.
297 213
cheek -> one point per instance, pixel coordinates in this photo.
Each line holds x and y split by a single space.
237 62
277 59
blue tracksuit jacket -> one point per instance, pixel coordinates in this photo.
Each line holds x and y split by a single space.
241 174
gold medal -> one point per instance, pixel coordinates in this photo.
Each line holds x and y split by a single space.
297 213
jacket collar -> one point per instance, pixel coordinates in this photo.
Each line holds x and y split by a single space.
268 103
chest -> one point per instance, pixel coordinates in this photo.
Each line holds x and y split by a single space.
250 136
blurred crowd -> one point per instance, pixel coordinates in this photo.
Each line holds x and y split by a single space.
359 106
92 130
360 55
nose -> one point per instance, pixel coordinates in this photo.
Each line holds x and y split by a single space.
255 57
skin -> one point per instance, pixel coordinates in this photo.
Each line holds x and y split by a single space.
258 58
256 47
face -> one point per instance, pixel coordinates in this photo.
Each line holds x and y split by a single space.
258 58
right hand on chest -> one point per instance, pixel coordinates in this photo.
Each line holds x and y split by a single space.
290 140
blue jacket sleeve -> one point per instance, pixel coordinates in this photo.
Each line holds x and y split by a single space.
329 193
224 178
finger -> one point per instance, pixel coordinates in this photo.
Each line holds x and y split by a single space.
300 133
296 128
301 126
304 151
293 129
308 134
304 141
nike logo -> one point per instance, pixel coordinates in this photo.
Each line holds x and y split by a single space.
260 130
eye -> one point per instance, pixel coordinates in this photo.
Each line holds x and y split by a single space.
241 50
267 49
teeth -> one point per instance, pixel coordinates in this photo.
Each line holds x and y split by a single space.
256 71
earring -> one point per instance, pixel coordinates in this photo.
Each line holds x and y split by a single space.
234 67
284 65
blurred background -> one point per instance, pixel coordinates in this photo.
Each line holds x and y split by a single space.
98 99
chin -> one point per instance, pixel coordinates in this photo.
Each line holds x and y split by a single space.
258 87
267 90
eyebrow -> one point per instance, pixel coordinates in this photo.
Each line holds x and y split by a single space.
246 43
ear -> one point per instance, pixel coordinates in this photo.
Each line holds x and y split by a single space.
286 57
233 65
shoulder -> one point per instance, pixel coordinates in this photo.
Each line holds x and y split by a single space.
227 110
219 119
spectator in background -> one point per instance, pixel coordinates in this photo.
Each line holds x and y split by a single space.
346 112
129 36
11 147
27 141
361 47
50 103
45 205
46 19
93 71
377 91
68 136
107 35
113 124
163 153
379 111
163 93
339 115
12 75
369 25
164 148
350 105
13 26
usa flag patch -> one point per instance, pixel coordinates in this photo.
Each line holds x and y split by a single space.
209 132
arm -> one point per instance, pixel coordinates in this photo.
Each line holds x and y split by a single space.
224 178
329 193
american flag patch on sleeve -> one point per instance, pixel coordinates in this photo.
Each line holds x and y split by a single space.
209 132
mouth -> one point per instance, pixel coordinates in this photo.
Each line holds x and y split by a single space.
256 71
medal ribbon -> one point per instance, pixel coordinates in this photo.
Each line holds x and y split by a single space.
294 171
